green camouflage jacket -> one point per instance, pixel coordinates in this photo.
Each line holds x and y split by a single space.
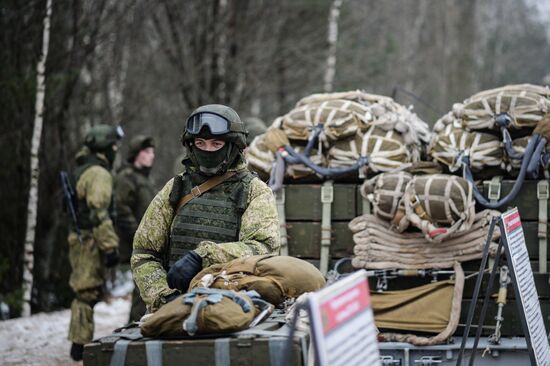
86 258
134 191
259 234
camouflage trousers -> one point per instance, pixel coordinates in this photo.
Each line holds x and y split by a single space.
81 327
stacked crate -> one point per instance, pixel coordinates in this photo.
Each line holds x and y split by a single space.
303 219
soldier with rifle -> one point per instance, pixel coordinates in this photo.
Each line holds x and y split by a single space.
213 212
93 243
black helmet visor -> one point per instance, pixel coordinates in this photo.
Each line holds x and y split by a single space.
216 124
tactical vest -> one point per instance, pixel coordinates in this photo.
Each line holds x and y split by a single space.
214 216
85 220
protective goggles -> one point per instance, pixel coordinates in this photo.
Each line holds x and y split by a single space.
217 124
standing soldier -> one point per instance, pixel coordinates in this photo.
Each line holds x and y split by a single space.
133 192
213 212
97 245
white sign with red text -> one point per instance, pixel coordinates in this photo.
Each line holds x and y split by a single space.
524 284
342 323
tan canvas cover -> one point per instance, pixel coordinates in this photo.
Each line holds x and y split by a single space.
432 308
340 118
485 150
422 309
275 278
354 124
354 95
385 191
385 150
526 104
225 316
378 246
439 205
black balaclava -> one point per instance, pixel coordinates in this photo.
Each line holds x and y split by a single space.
212 162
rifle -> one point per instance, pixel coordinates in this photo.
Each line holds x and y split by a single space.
69 197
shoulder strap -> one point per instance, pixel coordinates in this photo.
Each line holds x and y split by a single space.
196 191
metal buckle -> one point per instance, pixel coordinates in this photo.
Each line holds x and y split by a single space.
196 191
543 190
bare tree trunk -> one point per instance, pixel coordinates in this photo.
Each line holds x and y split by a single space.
332 39
222 52
32 206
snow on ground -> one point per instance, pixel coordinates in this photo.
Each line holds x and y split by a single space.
42 338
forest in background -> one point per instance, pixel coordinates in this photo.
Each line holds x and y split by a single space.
147 64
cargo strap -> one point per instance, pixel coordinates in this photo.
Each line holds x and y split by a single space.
366 207
119 353
222 352
153 350
327 196
280 202
196 191
543 195
277 340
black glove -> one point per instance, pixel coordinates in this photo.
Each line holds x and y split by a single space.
112 258
183 271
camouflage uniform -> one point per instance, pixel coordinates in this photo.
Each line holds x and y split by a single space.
258 234
134 191
94 193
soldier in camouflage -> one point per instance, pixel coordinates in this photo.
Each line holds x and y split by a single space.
134 191
235 218
97 247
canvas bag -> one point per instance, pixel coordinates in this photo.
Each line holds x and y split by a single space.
385 192
484 150
202 311
275 278
439 205
385 150
525 103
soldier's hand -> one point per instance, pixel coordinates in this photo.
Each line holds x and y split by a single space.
112 258
183 271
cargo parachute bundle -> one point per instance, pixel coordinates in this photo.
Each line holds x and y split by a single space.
502 131
328 135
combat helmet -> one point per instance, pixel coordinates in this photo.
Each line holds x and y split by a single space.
101 137
215 121
137 144
222 122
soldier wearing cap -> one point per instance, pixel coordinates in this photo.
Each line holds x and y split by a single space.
97 246
134 191
213 212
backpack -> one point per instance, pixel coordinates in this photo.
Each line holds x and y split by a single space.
204 311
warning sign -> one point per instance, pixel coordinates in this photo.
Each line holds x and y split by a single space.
524 285
343 323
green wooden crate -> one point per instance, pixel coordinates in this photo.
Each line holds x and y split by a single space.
526 201
304 239
303 202
263 349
